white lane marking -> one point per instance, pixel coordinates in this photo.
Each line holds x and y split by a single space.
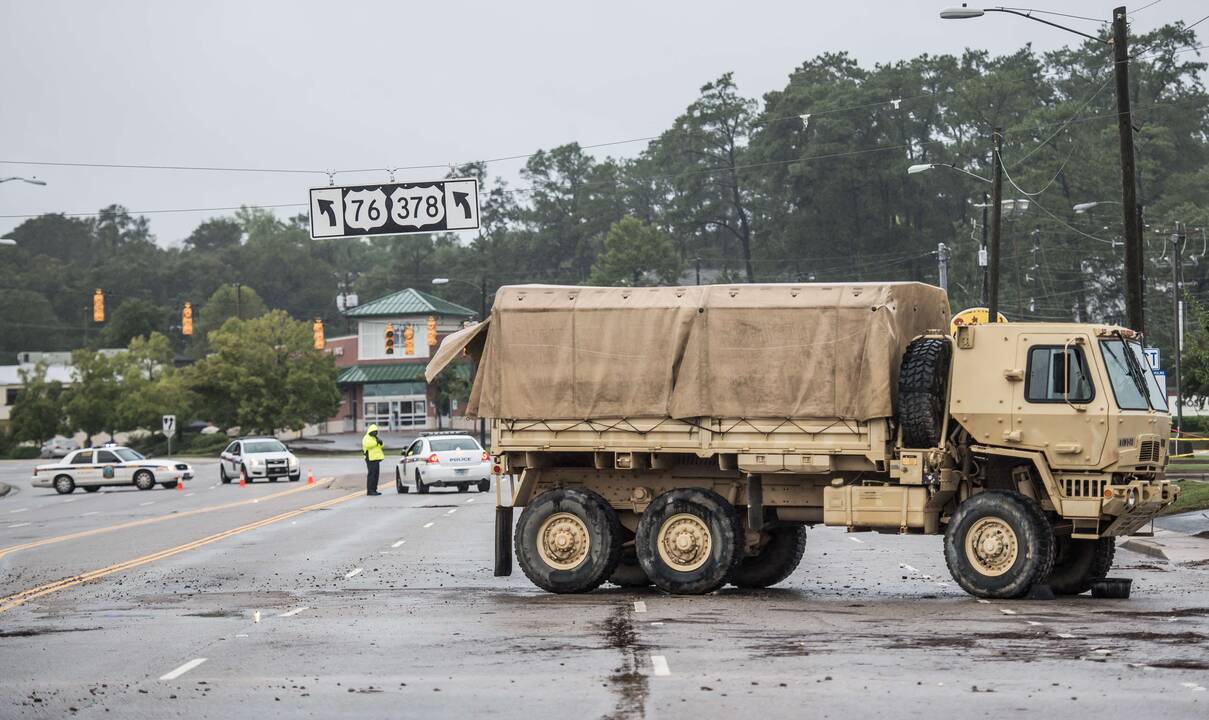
1192 686
659 663
294 612
183 669
94 512
188 494
397 543
656 623
353 573
639 606
18 510
149 502
1066 636
856 540
70 500
428 525
256 616
907 567
452 511
1034 622
1006 611
984 602
469 500
17 525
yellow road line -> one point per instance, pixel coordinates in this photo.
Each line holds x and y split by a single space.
149 521
25 596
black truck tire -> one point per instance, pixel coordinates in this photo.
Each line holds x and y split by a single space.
568 540
777 559
629 574
921 391
689 541
1078 564
998 545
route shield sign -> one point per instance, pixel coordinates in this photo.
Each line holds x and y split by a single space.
395 208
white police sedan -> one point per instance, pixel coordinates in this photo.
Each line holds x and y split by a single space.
444 459
94 468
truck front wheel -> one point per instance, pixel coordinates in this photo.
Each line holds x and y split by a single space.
568 540
998 545
688 541
777 559
1079 563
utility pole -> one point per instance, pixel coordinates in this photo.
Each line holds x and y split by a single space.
239 301
942 266
1129 190
982 251
1177 262
698 261
1035 271
482 317
996 224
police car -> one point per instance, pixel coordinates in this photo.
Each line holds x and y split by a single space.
446 459
94 468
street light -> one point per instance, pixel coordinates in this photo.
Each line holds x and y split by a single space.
916 169
1131 210
31 181
1085 206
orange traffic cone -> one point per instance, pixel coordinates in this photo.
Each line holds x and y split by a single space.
243 478
180 485
310 478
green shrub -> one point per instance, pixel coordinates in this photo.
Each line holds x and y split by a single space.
23 452
213 443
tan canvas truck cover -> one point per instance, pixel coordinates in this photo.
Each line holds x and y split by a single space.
771 350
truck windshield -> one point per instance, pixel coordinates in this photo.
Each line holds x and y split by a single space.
1133 384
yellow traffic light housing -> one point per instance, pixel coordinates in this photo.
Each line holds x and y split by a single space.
390 338
317 331
432 331
409 342
98 306
187 319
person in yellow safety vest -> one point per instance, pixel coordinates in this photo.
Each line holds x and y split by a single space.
371 447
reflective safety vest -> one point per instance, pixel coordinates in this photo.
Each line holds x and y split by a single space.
372 448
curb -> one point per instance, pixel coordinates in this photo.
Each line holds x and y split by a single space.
1145 548
5 489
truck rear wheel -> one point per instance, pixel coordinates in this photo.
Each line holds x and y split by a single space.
777 559
998 545
629 574
1078 564
688 541
921 392
568 540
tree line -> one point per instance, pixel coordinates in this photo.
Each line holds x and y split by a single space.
807 183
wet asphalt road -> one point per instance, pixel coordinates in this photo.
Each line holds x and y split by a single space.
239 603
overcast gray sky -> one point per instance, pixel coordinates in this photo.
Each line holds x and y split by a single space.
365 84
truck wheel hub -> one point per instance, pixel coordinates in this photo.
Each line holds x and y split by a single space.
991 546
684 542
562 541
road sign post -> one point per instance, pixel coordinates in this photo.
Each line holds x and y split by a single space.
169 425
394 208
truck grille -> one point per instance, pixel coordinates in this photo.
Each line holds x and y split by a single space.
1083 487
1149 451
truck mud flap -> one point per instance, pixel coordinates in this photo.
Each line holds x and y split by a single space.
503 541
755 502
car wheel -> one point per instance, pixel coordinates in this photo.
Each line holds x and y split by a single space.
167 486
568 540
222 475
484 485
244 475
689 541
999 544
91 488
144 480
420 486
64 485
399 486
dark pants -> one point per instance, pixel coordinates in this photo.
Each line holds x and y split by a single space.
371 475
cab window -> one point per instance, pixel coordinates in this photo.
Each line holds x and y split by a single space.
232 449
1058 373
1130 390
84 457
104 457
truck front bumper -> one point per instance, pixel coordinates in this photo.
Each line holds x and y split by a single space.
1131 506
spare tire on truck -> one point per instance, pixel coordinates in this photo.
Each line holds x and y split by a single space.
921 391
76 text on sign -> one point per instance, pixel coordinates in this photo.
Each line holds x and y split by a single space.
396 208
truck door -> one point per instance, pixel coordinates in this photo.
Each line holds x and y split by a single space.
1059 403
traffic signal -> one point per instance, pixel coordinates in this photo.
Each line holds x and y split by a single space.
317 331
432 331
98 306
187 319
409 342
390 338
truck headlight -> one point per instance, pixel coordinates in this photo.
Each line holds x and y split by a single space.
1131 498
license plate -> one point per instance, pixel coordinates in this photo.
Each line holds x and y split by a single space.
461 471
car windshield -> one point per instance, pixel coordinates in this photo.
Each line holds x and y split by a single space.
263 446
1133 384
454 443
128 455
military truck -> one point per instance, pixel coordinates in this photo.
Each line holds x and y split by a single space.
687 436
